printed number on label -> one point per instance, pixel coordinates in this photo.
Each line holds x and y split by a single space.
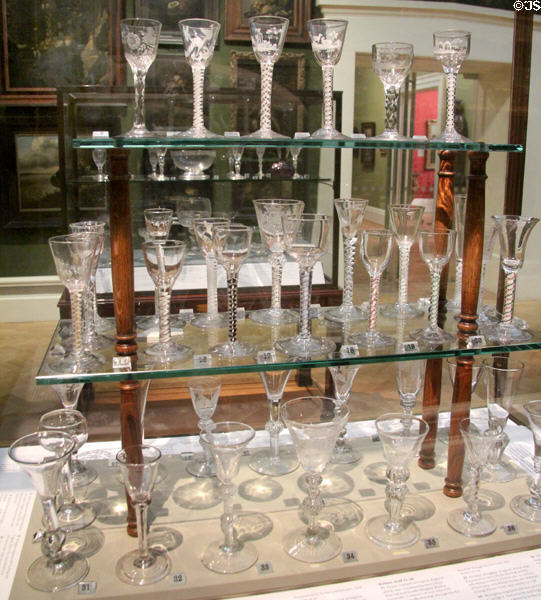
432 542
350 556
86 587
263 568
475 341
178 579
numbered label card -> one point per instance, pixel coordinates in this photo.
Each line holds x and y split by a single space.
349 351
87 587
476 341
121 363
202 360
409 347
266 356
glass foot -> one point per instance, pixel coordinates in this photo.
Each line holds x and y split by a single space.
310 347
345 314
145 325
134 570
433 337
274 316
85 542
525 508
391 134
500 472
321 547
206 321
101 342
137 132
341 513
87 363
450 136
82 474
72 517
197 132
328 133
265 463
169 353
459 520
411 310
380 533
219 560
267 134
415 508
199 467
377 472
236 176
345 454
506 334
71 569
233 350
367 339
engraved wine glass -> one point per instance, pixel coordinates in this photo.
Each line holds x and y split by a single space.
140 42
99 156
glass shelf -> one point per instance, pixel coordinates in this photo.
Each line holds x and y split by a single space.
92 179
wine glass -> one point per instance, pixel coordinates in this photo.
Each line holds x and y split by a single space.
232 245
375 252
199 37
158 223
68 394
479 440
401 440
99 156
436 248
305 239
350 213
269 215
314 426
205 392
529 506
327 38
140 42
226 442
409 382
459 216
489 237
153 160
189 208
268 34
139 466
161 154
451 48
294 152
41 455
234 154
391 62
204 235
260 152
404 221
164 262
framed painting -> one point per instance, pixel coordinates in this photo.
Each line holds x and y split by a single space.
245 71
237 13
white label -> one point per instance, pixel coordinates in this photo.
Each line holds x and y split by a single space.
358 136
178 579
100 134
231 134
186 313
171 133
264 568
121 363
475 341
421 138
431 543
510 529
241 313
315 310
299 135
87 587
350 556
409 347
266 356
349 350
202 360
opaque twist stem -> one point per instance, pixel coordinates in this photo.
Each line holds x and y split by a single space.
232 304
198 83
266 93
328 72
349 259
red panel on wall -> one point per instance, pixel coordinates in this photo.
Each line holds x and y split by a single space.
426 108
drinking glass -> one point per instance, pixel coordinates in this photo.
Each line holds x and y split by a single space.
140 42
41 455
436 248
404 221
294 152
260 152
164 262
327 38
226 442
68 394
99 156
502 380
232 245
409 382
235 156
479 440
269 215
350 213
139 466
204 235
314 426
391 62
528 506
459 216
189 208
375 250
305 239
401 439
153 160
205 392
268 34
451 48
161 153
489 237
199 37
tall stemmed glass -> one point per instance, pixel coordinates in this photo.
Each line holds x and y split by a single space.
327 38
260 152
513 233
436 248
268 34
153 160
404 221
164 262
99 156
489 237
460 220
294 152
205 392
391 62
227 441
375 252
161 153
139 466
140 42
305 239
189 208
451 48
350 213
314 427
232 245
199 37
479 440
41 456
269 218
204 235
401 440
528 506
235 157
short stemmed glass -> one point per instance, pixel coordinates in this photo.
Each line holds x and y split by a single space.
436 248
226 442
401 440
268 34
205 392
513 233
404 222
41 456
391 62
314 426
260 152
409 382
99 156
528 506
153 160
235 154
161 153
459 216
164 262
68 393
204 235
189 208
232 245
327 38
479 440
199 37
269 215
502 380
305 239
375 250
139 467
140 42
350 213
451 48
294 152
